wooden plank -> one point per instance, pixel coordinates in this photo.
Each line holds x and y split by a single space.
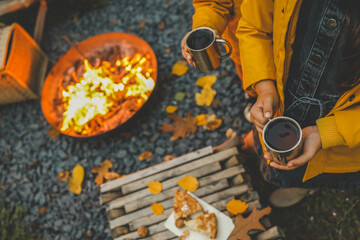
230 172
272 233
202 191
166 185
125 219
231 162
142 183
107 197
152 219
8 6
155 169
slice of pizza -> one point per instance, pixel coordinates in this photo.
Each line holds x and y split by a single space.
185 205
205 223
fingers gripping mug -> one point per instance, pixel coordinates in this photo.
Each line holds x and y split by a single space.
281 136
204 48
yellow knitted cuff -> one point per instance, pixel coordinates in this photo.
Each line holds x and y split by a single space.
329 134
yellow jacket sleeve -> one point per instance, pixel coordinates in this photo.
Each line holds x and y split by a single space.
213 14
255 40
343 128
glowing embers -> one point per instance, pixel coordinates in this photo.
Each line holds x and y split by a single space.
109 89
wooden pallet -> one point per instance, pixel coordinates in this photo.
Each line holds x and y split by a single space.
221 177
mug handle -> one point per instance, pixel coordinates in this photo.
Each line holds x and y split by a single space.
220 40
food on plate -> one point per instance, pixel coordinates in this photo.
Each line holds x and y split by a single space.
205 223
180 223
185 205
185 234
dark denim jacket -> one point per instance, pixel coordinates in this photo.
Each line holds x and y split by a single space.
311 91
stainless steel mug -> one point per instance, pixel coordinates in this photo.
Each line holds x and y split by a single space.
281 136
203 46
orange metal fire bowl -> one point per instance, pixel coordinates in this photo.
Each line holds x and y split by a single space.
99 84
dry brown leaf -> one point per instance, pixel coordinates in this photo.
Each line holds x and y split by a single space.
201 119
215 103
168 50
155 187
63 176
114 21
76 179
168 157
205 97
208 80
236 206
182 128
157 208
161 26
101 171
2 186
171 109
213 124
189 183
243 225
142 24
42 210
180 68
53 133
110 176
145 155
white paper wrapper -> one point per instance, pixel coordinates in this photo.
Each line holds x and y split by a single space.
225 224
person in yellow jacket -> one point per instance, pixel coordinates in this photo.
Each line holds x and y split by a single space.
302 59
222 16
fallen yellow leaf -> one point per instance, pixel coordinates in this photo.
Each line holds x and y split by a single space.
236 206
201 119
189 183
155 187
145 155
157 208
101 171
63 176
168 157
110 176
205 97
76 179
208 80
213 124
171 109
180 68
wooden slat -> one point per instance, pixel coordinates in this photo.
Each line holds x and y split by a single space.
152 219
166 185
125 219
147 201
142 183
155 169
272 233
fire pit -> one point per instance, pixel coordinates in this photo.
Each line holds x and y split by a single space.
99 84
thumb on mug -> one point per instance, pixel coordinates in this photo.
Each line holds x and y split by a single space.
268 112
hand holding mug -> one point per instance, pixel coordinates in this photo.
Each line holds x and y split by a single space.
200 48
308 148
266 105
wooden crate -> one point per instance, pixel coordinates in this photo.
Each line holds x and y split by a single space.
221 177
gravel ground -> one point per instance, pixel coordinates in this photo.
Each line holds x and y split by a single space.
30 160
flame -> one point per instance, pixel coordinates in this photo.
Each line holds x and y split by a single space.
99 90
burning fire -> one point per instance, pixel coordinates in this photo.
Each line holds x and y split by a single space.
103 90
